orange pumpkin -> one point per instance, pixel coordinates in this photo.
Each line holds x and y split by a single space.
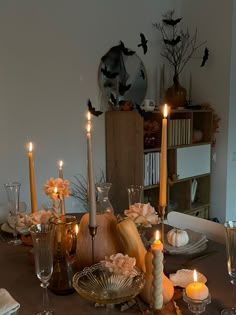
106 242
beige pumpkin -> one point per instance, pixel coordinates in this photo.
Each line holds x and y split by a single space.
167 286
106 242
177 237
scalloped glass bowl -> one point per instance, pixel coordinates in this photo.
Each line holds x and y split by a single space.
98 284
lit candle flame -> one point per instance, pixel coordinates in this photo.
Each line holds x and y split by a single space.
88 128
76 229
30 147
55 190
194 275
89 116
165 112
60 163
157 235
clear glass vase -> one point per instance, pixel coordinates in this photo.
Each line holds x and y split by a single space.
103 202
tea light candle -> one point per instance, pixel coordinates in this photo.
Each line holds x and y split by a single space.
32 179
91 181
157 272
163 160
197 290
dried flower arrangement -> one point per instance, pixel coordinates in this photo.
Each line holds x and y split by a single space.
178 45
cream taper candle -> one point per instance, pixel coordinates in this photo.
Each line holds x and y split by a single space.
157 271
60 169
91 181
163 160
32 179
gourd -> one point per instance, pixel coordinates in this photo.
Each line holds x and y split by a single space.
167 286
106 242
177 237
131 242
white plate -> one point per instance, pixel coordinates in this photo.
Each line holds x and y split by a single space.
197 243
183 277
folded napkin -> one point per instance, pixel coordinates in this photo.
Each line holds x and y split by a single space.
8 306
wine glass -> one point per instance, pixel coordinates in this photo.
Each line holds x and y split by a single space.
98 284
230 229
13 196
43 236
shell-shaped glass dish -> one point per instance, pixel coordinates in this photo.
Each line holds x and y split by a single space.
98 284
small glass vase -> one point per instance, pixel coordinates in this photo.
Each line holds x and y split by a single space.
103 202
176 94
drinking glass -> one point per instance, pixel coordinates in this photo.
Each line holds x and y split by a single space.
13 196
135 194
230 229
43 236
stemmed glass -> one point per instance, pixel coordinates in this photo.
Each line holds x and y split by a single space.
43 236
13 196
230 229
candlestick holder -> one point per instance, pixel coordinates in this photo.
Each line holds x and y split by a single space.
196 306
162 215
93 232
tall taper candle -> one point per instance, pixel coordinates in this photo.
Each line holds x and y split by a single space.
32 179
60 174
157 272
92 194
163 161
60 169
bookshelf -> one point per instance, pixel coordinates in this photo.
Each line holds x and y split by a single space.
133 153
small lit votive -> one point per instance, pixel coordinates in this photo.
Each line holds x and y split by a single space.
197 290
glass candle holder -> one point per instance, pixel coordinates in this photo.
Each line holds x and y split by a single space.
196 306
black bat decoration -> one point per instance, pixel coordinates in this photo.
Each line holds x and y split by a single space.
171 21
109 74
143 43
172 42
123 88
142 75
125 50
92 110
205 57
112 99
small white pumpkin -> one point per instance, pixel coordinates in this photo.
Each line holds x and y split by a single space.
177 237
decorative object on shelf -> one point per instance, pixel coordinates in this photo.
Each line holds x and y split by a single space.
177 237
32 179
122 77
64 249
103 202
148 105
197 135
178 47
98 284
151 134
57 189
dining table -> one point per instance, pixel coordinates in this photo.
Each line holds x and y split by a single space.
18 277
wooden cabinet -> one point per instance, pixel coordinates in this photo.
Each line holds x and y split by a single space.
133 153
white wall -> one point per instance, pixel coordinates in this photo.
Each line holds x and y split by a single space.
49 57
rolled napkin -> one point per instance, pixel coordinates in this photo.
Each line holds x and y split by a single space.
8 306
